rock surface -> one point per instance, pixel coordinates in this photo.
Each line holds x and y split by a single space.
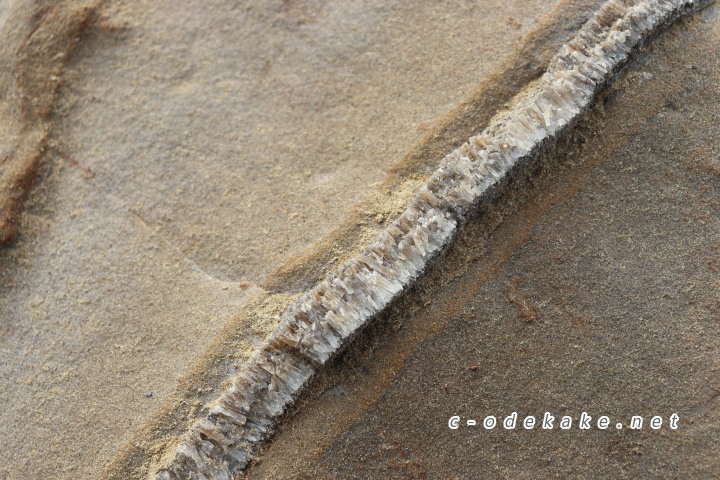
594 289
188 157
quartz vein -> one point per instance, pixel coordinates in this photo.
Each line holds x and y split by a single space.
318 323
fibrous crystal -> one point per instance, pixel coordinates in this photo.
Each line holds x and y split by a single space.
321 320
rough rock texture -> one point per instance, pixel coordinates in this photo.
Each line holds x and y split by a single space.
320 321
39 37
591 285
162 196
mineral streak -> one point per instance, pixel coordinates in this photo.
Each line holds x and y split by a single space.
312 329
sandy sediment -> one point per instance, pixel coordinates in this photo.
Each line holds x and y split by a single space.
319 322
591 287
38 40
526 64
279 289
127 266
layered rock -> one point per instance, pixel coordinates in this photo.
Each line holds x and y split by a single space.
322 320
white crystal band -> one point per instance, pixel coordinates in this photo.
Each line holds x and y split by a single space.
320 321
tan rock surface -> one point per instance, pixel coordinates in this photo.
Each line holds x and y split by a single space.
192 151
590 286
